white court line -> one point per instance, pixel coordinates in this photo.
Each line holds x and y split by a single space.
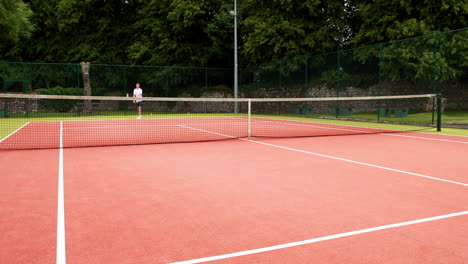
319 239
426 138
360 163
132 125
316 126
14 132
210 132
118 126
61 250
383 133
333 157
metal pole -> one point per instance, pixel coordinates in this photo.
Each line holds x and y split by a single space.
379 91
235 57
4 77
125 80
434 77
249 118
439 112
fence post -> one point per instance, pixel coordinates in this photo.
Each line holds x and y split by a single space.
4 77
379 91
25 78
338 80
166 81
206 80
306 84
78 76
338 74
125 79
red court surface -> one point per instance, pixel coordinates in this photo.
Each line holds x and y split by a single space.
199 202
28 206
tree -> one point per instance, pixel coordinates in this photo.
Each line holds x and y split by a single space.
385 20
280 29
417 58
45 44
200 33
182 32
15 23
74 30
97 30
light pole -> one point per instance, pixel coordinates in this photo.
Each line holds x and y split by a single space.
235 58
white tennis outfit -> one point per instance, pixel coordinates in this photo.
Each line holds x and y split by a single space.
137 92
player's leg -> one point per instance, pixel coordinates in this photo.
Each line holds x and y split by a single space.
139 104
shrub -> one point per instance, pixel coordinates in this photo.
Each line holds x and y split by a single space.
59 105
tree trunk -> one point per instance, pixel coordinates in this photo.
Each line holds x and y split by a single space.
87 106
434 104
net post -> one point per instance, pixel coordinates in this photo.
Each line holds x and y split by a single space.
249 117
439 112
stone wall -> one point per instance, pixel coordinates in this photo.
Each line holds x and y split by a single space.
456 93
19 105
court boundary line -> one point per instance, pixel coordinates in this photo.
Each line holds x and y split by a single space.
211 132
61 249
333 157
320 239
11 134
351 129
361 163
425 138
117 126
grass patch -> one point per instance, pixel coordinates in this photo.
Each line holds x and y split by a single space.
455 117
15 121
378 125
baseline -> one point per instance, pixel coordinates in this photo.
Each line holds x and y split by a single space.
319 239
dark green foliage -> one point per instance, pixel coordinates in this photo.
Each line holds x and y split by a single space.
378 21
60 91
59 105
280 29
15 21
182 32
200 33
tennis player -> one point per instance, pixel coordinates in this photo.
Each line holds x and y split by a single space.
138 93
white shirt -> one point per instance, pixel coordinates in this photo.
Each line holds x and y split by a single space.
137 92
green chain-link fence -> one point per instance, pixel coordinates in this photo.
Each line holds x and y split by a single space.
119 80
429 64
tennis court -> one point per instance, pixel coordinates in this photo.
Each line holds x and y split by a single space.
282 192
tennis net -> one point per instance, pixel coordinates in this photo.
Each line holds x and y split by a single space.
29 121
